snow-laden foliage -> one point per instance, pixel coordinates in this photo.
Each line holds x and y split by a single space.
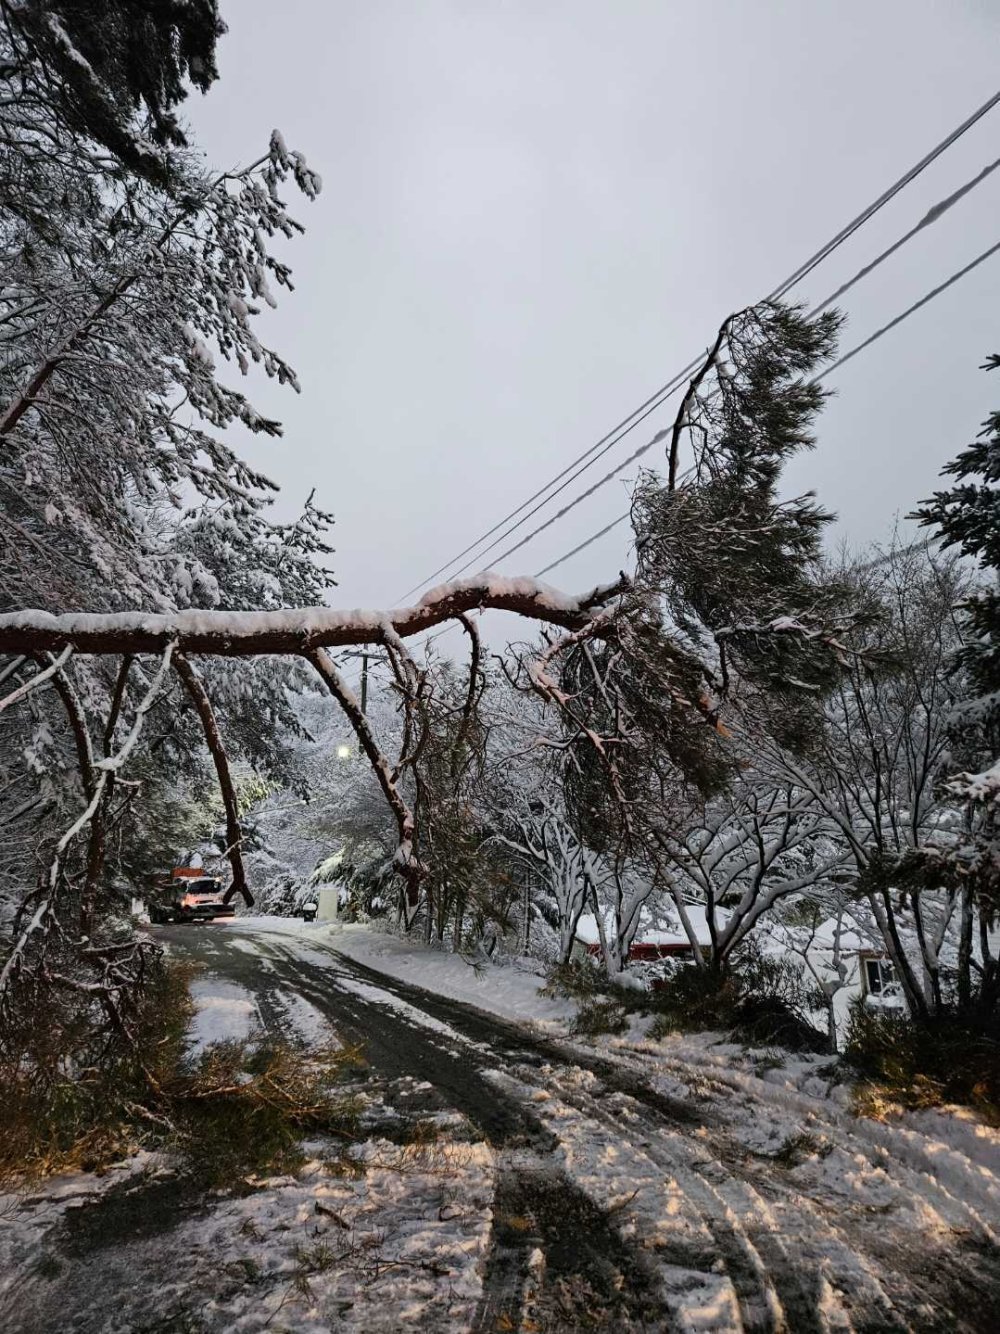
133 278
743 739
967 516
737 565
879 771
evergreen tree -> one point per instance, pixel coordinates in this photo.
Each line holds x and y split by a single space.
114 71
967 516
737 566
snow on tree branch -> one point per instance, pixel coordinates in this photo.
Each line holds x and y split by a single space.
38 679
296 630
43 915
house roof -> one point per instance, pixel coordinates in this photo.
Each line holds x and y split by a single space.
588 934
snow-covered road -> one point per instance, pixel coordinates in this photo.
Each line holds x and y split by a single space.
617 1184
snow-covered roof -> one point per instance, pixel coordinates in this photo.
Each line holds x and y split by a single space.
588 934
850 939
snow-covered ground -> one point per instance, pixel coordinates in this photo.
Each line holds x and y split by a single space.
223 1012
721 1188
371 1236
511 990
394 1241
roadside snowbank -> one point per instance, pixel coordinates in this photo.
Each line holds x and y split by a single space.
510 990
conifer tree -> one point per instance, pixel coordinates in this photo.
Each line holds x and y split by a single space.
967 516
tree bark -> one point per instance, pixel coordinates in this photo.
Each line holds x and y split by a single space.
234 832
296 630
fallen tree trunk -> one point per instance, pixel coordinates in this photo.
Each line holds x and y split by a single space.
298 629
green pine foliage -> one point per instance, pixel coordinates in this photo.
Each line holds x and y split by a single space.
122 67
967 516
737 565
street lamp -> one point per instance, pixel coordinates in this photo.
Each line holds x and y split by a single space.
343 752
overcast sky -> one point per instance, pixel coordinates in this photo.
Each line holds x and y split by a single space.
535 212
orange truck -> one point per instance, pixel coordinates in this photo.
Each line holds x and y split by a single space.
188 894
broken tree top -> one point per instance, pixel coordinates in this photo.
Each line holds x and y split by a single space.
296 629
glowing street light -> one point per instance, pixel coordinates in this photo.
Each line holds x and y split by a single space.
343 752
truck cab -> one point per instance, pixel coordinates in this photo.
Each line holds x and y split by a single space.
189 894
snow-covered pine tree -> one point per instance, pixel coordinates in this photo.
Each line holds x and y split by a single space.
732 621
737 566
967 516
115 70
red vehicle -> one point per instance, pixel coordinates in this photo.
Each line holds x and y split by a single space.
189 894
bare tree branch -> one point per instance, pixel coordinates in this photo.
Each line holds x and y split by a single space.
77 720
44 915
38 679
470 700
116 702
405 860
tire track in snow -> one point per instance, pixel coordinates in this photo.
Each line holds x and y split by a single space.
953 1175
534 1201
737 1244
783 1255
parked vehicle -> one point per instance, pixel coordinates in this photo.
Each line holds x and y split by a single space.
307 911
189 894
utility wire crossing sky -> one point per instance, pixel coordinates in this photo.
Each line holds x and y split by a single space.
531 209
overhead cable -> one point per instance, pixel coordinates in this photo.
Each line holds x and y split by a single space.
627 424
873 338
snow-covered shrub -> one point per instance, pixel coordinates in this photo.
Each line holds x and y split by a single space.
758 1000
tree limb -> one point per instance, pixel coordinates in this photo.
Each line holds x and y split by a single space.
38 679
405 860
234 833
296 630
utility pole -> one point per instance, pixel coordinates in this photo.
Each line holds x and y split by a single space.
364 683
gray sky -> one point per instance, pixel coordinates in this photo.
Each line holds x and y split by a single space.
535 211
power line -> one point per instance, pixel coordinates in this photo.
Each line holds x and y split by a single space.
656 399
595 537
583 545
930 217
934 292
559 514
873 338
585 495
890 194
603 445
